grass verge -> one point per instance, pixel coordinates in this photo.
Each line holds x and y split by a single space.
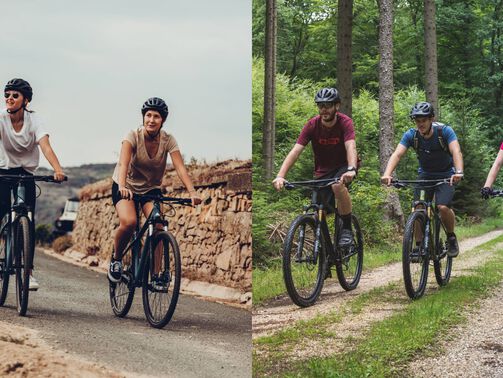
268 283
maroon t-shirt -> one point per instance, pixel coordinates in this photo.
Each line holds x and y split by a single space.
328 142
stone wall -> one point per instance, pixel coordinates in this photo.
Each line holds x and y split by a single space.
214 238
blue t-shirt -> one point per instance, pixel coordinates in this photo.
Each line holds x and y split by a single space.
432 158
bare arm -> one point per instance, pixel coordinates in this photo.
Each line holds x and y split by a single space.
493 173
352 157
176 158
51 157
457 158
290 160
124 160
392 163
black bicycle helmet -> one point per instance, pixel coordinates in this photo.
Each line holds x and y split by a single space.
158 104
20 85
327 95
422 109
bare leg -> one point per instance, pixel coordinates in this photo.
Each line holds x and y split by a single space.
448 218
147 208
343 199
127 222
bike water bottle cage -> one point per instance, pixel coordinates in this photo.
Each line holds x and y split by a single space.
439 127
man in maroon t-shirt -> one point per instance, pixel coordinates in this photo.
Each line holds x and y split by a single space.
333 140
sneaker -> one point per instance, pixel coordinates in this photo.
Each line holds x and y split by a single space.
415 256
160 283
346 238
115 271
33 284
328 273
453 250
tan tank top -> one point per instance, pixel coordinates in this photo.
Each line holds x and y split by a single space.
145 173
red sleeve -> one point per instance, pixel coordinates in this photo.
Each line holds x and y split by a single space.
501 147
349 131
306 134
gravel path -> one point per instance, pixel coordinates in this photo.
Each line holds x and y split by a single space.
279 314
475 351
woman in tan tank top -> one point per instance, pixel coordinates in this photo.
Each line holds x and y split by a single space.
140 169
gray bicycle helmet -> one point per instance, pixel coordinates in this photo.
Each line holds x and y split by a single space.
327 95
422 109
21 86
158 104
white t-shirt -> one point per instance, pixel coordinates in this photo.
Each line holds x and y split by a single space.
20 149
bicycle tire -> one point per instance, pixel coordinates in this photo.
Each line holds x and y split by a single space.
303 274
168 277
122 292
4 269
349 262
442 263
23 257
415 264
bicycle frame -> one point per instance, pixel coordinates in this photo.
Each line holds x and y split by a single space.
138 259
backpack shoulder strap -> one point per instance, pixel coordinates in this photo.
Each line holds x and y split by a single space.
415 144
441 140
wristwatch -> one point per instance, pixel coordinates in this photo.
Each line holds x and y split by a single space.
459 172
350 168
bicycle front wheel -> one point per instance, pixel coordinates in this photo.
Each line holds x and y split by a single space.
442 264
415 259
23 260
349 261
122 292
4 268
303 266
161 279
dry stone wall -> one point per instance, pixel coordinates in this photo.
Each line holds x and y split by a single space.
214 238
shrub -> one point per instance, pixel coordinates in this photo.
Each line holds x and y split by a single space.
43 234
62 243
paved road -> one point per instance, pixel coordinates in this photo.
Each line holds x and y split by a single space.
72 312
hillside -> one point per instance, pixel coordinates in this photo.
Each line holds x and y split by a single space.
53 196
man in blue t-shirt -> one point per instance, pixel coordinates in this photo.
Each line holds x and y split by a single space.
439 157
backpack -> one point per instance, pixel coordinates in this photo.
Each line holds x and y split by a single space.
439 127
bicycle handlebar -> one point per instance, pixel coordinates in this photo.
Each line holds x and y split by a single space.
313 184
496 193
20 178
178 201
417 183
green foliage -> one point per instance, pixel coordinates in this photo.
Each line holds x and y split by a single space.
43 234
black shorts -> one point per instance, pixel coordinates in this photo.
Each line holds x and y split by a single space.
116 195
326 196
443 193
5 198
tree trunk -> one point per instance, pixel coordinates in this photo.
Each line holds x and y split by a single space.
392 209
430 50
268 133
344 55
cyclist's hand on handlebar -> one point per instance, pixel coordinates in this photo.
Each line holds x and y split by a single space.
347 177
278 183
486 192
59 176
195 200
386 180
125 193
456 178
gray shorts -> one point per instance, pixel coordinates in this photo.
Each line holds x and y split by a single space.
443 193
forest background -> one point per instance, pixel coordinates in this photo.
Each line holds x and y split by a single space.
470 80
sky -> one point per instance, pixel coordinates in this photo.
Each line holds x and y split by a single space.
92 64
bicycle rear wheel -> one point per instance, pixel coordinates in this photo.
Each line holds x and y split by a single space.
4 268
415 259
23 261
122 292
442 263
161 279
303 269
350 259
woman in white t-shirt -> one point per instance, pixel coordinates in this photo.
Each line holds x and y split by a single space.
21 133
140 169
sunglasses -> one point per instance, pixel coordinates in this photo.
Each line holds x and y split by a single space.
15 96
325 105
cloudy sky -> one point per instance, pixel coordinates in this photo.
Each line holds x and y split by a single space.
93 63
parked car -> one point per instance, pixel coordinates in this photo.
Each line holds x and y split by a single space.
64 223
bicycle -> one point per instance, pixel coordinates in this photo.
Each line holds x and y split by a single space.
157 272
308 244
424 223
17 245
